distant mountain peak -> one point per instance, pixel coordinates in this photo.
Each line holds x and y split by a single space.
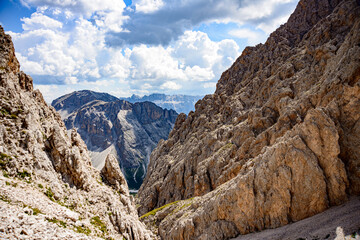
110 125
180 103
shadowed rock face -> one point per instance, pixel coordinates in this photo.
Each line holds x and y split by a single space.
45 169
109 125
279 139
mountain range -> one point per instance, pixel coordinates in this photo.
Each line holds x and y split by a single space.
179 103
129 131
274 153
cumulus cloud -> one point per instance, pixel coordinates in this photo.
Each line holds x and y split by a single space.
252 37
147 47
148 6
170 85
78 7
38 20
172 18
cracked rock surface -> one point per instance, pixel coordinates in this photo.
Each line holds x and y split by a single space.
278 141
48 186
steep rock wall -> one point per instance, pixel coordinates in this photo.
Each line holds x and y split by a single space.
48 173
279 139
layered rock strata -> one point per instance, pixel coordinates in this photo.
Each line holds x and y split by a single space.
109 125
279 139
47 180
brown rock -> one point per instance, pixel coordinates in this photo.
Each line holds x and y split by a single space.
46 171
277 142
113 176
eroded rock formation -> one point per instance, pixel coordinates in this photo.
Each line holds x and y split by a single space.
279 139
47 180
109 125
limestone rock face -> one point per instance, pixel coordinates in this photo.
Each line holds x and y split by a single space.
279 139
47 180
112 175
112 126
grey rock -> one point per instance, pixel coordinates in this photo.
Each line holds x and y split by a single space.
48 186
109 125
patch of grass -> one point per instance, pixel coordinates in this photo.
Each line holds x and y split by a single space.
11 184
4 156
13 116
36 211
153 212
44 136
57 222
4 111
226 146
82 229
5 174
4 160
96 221
25 175
49 193
5 199
40 186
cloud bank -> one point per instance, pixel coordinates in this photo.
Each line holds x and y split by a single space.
149 46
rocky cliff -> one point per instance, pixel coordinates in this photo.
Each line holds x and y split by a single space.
48 187
277 142
179 103
109 125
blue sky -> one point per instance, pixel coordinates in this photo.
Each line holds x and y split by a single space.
135 47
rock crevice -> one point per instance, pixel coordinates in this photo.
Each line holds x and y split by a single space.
277 142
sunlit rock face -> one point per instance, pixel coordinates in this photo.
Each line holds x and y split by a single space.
48 186
109 125
279 139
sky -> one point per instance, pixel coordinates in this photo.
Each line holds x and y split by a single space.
135 46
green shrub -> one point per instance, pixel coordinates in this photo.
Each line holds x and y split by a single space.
49 193
24 174
57 221
96 221
82 229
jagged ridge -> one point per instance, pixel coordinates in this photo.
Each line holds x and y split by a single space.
109 125
279 139
48 187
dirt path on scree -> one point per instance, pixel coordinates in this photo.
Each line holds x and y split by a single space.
320 226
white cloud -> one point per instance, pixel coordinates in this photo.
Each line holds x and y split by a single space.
210 85
170 19
71 80
148 6
170 85
253 37
198 74
154 63
38 20
83 8
64 42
